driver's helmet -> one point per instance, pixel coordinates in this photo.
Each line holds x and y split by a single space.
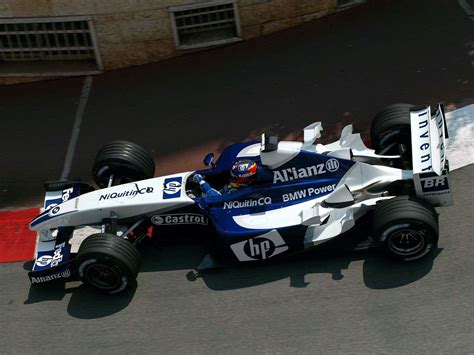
242 173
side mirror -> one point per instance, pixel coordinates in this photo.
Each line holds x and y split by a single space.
208 159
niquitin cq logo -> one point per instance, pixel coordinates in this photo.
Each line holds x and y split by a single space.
131 193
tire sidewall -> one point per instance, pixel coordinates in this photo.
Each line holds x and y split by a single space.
87 261
387 233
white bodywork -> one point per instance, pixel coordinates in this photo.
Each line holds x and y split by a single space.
428 142
123 201
325 217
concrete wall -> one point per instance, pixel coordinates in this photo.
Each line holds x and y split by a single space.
134 32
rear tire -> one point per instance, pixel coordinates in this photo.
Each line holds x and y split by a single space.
107 262
125 161
406 228
390 134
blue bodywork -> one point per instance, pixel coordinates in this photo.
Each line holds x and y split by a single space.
285 186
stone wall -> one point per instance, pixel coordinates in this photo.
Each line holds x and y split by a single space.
260 17
134 32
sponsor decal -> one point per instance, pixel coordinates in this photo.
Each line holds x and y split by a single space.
181 218
435 185
66 194
172 187
440 124
54 259
127 193
424 143
332 165
44 260
290 174
262 201
312 191
39 279
260 248
55 210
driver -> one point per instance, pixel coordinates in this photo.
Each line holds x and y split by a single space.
242 174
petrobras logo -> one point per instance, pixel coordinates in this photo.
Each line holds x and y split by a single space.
243 166
262 247
60 275
290 174
127 193
54 259
172 187
262 201
44 260
309 192
177 219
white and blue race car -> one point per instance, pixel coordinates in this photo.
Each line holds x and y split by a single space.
305 195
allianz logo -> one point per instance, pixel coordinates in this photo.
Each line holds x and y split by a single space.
59 275
291 174
262 201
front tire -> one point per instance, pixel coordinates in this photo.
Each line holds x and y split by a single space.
406 228
125 161
107 262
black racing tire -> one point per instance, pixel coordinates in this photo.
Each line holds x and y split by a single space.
107 262
390 134
126 161
406 227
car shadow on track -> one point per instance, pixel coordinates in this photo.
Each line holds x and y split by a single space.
85 302
379 272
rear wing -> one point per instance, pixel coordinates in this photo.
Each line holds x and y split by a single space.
428 139
430 165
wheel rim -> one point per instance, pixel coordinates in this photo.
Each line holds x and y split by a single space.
103 276
407 242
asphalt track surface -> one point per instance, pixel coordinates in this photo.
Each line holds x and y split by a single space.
337 70
356 302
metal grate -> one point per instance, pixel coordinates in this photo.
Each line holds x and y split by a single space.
47 39
206 24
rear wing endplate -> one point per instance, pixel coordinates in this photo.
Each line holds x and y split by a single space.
430 165
428 139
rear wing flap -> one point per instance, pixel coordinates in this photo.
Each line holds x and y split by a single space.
428 139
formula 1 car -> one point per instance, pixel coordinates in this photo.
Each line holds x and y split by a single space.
305 195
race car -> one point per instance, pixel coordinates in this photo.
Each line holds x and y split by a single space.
305 194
